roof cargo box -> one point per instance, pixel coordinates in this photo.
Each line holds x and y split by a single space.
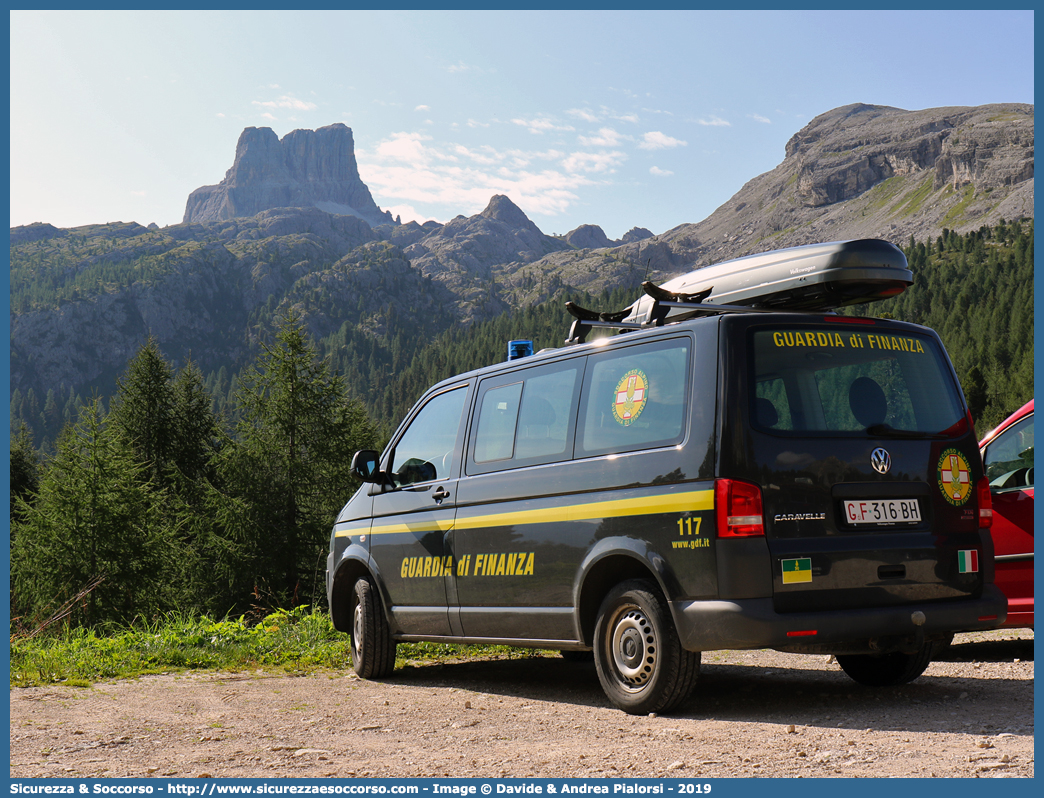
814 277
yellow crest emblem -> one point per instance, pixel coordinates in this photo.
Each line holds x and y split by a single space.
630 397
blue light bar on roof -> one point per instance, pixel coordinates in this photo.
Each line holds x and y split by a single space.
519 349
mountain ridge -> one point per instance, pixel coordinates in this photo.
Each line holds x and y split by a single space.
84 299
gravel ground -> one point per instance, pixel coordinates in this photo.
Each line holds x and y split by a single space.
754 713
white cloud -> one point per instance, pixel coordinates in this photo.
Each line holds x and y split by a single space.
659 141
760 118
715 121
607 137
485 155
593 161
655 170
220 115
473 123
138 193
460 66
627 118
410 175
268 116
583 113
542 124
287 101
422 108
406 147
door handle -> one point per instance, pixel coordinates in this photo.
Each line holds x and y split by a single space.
440 494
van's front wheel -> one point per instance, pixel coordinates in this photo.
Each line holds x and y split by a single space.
373 649
886 670
638 656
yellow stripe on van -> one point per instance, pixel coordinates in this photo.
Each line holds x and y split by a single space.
419 526
616 508
416 527
350 528
689 501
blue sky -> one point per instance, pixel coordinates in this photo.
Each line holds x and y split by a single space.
615 118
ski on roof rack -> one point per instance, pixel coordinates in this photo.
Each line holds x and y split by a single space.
816 277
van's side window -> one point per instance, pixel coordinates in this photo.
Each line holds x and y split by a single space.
425 450
635 398
496 427
528 420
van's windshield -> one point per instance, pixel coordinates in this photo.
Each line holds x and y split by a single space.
836 379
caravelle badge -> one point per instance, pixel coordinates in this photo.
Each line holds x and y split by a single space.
880 460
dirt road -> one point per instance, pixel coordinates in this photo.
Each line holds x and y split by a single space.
755 713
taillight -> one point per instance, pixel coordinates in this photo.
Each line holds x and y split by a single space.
985 504
738 508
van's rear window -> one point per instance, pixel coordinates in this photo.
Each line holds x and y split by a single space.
830 379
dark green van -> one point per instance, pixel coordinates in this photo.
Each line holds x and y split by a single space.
716 476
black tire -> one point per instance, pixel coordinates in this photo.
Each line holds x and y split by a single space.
373 649
886 670
638 656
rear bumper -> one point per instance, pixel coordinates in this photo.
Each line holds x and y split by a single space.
1020 612
754 623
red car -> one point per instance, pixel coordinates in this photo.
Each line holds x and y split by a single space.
1007 454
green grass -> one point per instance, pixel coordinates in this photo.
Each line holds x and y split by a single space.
299 641
885 192
915 200
957 211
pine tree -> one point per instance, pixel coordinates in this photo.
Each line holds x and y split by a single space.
94 516
290 468
143 408
194 431
25 468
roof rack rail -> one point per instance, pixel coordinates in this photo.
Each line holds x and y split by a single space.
814 278
585 320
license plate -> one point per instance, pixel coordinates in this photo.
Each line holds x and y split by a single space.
883 511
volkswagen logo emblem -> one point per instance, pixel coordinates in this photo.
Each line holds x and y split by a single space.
880 460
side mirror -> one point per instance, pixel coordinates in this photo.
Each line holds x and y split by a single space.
366 465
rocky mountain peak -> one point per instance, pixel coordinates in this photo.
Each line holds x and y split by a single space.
502 209
588 236
636 234
845 118
306 168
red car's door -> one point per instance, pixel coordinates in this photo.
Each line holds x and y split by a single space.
1008 459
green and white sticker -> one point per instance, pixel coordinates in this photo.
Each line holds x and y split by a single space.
797 570
968 561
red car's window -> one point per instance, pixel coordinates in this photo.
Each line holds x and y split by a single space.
1009 458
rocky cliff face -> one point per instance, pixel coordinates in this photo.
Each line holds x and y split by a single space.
865 171
307 168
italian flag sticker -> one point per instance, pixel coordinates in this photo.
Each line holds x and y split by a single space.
968 561
799 570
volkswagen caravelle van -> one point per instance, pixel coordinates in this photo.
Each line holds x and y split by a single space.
750 472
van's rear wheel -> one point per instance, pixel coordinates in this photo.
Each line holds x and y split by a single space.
886 670
639 659
373 649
